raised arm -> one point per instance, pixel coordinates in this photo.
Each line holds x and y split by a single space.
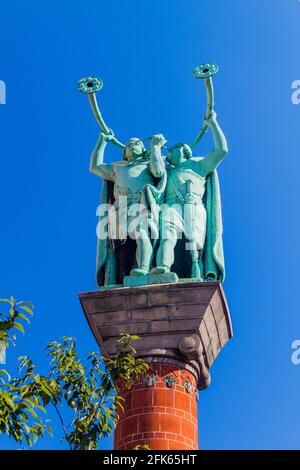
157 164
215 156
104 170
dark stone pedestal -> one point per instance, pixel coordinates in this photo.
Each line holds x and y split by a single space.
186 322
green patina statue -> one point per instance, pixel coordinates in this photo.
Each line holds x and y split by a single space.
193 209
159 216
135 184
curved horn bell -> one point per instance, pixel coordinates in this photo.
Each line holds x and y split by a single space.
205 72
90 86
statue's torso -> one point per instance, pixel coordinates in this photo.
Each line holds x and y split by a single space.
179 178
130 178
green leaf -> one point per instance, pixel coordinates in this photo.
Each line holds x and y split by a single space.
40 407
4 372
25 302
23 317
134 337
27 309
28 440
19 327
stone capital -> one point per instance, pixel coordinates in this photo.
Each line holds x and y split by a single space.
183 323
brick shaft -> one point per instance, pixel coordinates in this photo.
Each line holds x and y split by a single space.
163 417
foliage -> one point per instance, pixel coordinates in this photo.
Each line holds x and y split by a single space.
9 322
20 402
87 391
142 447
124 365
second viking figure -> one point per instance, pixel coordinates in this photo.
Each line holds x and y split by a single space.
193 209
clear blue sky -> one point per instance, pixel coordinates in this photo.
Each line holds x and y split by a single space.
145 52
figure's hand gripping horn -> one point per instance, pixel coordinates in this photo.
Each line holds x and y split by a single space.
206 71
90 86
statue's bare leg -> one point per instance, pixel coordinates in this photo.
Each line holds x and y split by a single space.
165 252
196 272
143 254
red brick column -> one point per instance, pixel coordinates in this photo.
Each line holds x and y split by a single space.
161 413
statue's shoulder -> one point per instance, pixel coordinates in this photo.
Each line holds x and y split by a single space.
196 159
121 163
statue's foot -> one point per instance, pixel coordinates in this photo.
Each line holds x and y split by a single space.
138 272
160 270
